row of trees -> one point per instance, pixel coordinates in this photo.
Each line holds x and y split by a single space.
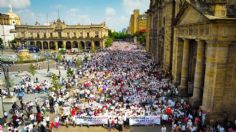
112 36
123 36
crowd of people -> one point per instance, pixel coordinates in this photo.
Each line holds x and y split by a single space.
119 83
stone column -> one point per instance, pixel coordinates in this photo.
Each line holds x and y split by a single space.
64 44
48 45
184 70
102 44
42 45
93 45
177 60
209 75
56 45
199 74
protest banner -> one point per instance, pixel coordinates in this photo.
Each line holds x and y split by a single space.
91 120
145 120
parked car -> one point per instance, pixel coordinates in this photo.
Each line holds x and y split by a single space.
32 49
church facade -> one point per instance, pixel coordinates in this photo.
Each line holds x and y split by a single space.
58 35
196 42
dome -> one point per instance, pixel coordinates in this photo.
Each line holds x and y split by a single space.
12 15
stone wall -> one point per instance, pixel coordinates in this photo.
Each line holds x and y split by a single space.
25 67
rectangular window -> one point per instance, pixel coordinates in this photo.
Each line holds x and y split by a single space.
87 34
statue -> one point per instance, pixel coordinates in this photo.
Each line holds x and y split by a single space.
10 8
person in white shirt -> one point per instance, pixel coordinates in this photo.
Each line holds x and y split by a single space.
163 128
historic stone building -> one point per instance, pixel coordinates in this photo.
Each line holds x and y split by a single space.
138 22
60 35
198 47
7 23
10 18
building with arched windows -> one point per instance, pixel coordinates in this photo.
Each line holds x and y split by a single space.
59 35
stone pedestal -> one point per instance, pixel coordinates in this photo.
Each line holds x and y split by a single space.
184 70
10 100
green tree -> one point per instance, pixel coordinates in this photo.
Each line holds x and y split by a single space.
79 62
81 47
1 44
59 57
93 50
13 43
70 72
108 42
55 83
32 69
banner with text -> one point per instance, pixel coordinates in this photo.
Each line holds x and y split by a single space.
91 120
146 120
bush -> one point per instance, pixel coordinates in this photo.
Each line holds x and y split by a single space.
62 51
32 69
108 42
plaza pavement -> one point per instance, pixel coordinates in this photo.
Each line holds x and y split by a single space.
42 75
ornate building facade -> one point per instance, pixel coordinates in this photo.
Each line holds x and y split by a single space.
7 23
59 35
10 18
198 47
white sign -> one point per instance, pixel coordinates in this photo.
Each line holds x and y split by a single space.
145 120
91 120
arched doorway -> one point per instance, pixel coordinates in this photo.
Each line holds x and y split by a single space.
32 43
97 44
82 45
45 45
88 45
68 45
39 44
75 44
60 44
52 45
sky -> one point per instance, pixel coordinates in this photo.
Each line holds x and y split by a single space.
116 13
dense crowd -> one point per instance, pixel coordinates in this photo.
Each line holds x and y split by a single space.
120 82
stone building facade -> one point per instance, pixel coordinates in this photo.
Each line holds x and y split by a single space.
202 49
138 22
60 35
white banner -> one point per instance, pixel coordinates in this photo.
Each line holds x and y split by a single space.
91 120
146 120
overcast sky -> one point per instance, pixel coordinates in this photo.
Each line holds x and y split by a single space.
116 13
